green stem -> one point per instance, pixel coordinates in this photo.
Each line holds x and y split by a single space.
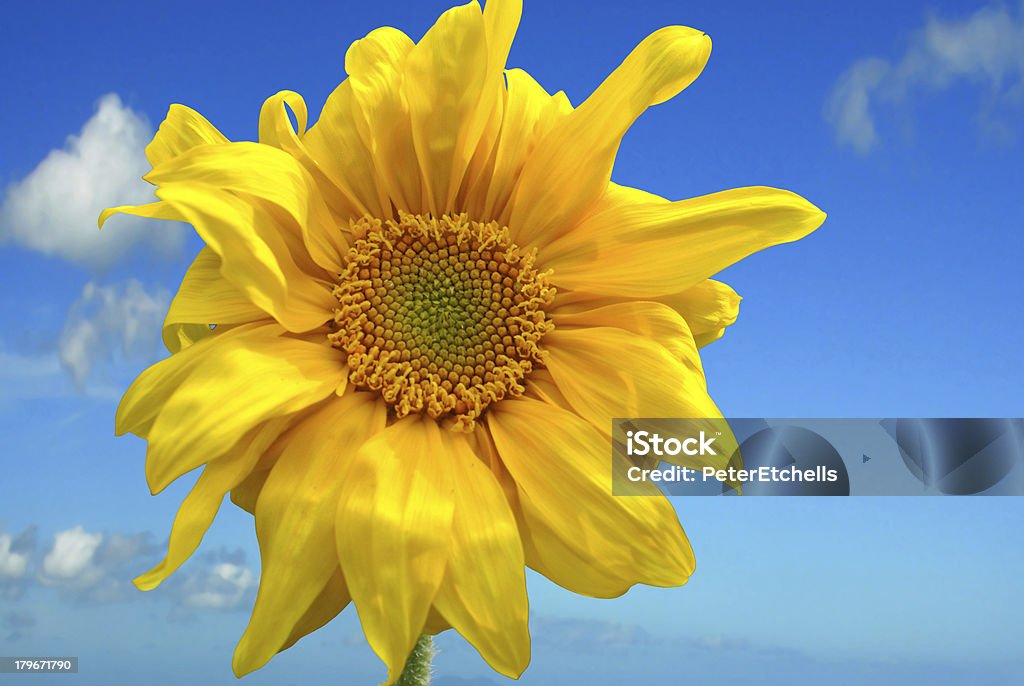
417 667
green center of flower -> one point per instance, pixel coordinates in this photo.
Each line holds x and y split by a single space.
441 316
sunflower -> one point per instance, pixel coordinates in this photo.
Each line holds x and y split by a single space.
411 325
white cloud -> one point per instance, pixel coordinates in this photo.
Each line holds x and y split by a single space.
107 321
12 564
223 587
54 209
985 48
70 560
849 109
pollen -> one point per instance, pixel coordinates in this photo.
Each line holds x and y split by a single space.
440 315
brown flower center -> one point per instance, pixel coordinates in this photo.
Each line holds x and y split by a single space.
440 315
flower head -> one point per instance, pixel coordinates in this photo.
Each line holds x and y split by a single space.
403 344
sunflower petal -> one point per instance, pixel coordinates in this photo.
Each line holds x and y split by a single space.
394 522
529 112
295 517
629 376
255 258
275 127
146 396
199 508
573 163
709 307
181 130
265 174
381 113
335 146
238 383
332 600
205 297
632 377
647 250
483 594
501 19
562 469
445 82
321 234
152 210
651 320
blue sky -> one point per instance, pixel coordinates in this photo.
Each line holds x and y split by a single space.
901 120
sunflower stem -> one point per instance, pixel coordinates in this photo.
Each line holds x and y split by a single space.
417 667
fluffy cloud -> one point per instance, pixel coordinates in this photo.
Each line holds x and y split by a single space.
986 48
107 321
221 588
70 560
13 558
54 209
97 568
217 580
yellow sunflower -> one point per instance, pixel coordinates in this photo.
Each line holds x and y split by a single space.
403 344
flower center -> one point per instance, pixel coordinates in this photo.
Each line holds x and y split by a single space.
441 316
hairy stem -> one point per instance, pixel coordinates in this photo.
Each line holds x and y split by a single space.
417 667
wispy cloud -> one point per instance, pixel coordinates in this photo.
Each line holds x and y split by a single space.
985 49
106 321
54 209
589 635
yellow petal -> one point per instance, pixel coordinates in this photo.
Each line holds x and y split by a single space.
276 130
501 19
445 79
393 527
646 250
255 258
177 337
264 174
335 146
435 623
529 112
651 320
331 601
709 307
199 508
607 373
381 113
562 469
146 396
181 130
629 376
483 594
275 127
295 518
205 297
573 163
238 383
152 210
